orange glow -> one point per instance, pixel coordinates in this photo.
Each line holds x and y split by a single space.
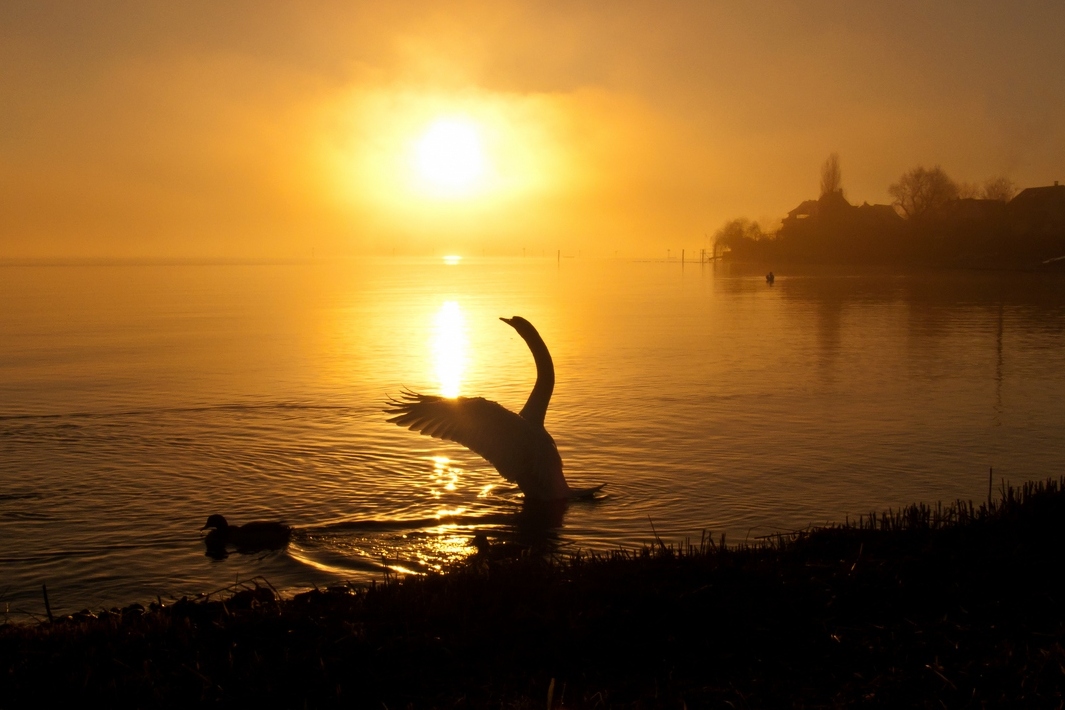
493 127
462 166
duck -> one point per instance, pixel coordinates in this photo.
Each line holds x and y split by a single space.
516 444
250 537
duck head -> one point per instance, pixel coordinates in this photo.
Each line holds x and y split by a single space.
215 521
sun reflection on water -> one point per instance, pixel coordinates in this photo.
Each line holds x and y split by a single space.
445 547
449 348
444 475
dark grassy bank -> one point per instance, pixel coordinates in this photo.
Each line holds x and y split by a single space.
949 606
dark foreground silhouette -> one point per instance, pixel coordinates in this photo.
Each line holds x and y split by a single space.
928 607
518 445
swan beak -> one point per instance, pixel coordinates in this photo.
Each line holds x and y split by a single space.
508 321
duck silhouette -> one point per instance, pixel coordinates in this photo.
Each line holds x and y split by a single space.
518 445
250 537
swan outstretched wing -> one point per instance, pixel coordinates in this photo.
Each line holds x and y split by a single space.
481 425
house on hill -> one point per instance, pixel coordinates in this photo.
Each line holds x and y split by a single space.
832 228
1040 207
971 209
833 209
879 214
829 207
1037 220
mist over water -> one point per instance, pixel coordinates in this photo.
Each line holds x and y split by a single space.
137 400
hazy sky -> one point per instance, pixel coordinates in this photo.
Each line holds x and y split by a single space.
269 129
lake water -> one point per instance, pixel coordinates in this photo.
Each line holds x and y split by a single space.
135 400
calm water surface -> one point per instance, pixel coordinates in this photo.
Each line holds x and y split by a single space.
137 400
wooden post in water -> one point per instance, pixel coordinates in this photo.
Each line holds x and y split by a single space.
682 257
47 606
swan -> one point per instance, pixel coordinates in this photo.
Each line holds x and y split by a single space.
250 537
517 445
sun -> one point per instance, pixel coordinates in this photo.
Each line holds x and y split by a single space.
449 158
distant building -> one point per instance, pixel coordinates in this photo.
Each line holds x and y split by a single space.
829 207
832 209
879 214
971 209
831 227
1040 208
1037 221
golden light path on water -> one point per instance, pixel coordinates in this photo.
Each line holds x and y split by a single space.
449 347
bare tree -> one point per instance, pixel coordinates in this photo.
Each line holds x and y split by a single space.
999 188
968 190
921 191
830 175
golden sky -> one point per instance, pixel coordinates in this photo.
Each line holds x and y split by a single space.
276 130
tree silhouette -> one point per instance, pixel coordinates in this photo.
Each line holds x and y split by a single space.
921 191
830 175
999 188
744 238
969 190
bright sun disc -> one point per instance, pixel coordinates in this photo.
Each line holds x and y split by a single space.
448 156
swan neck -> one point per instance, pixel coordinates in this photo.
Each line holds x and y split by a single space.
535 408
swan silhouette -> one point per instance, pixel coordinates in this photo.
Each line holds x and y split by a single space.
518 445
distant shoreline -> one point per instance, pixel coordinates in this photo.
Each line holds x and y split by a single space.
826 266
958 604
949 231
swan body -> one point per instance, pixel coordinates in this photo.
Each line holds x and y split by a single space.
250 537
518 445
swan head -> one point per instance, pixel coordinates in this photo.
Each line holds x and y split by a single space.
519 324
215 521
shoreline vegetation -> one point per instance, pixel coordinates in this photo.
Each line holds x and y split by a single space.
944 606
932 221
